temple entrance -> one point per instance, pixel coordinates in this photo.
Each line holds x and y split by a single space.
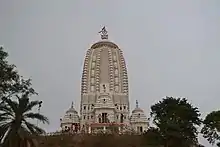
122 118
100 120
140 129
104 118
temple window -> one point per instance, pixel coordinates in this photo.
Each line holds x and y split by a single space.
124 107
84 117
84 107
87 117
120 108
91 116
141 129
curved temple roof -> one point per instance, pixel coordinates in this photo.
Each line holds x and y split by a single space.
71 116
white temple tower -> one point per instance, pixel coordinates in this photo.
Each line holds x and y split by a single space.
104 102
104 88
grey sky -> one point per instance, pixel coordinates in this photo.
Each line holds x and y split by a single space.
171 47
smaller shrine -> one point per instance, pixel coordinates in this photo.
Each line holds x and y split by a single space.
70 122
139 121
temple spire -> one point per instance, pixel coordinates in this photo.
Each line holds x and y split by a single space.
104 33
72 105
137 104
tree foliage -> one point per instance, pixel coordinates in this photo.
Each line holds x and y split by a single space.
176 120
211 128
11 82
15 127
152 137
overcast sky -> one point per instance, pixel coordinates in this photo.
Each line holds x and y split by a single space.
171 47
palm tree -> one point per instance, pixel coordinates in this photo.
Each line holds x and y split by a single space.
15 128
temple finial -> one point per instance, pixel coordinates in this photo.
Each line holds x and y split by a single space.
137 104
72 105
104 33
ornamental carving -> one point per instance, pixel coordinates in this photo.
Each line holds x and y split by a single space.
116 72
93 73
92 81
115 65
93 65
94 58
92 88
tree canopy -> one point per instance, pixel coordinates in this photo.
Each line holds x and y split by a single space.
176 120
16 107
11 82
211 128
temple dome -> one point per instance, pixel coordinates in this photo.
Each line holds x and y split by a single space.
104 43
71 116
138 116
72 110
136 110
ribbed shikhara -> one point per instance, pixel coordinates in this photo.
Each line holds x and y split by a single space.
104 84
84 86
113 66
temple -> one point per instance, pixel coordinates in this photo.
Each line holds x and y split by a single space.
104 105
